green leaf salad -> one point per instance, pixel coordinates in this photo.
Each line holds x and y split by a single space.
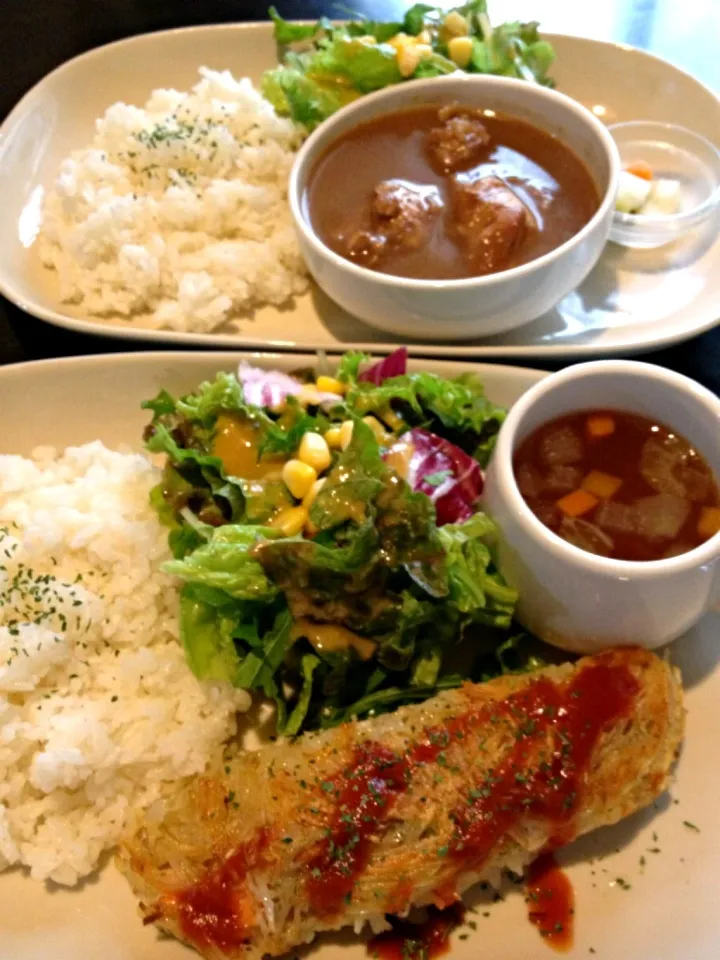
373 585
327 65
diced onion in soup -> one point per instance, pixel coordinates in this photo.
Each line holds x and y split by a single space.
697 483
586 535
529 480
617 517
562 478
661 460
661 517
548 514
560 446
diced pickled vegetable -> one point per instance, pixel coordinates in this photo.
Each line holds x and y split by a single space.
664 199
600 426
588 536
662 516
577 503
603 485
640 168
632 194
709 522
561 445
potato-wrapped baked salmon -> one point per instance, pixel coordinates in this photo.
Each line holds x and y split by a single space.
410 808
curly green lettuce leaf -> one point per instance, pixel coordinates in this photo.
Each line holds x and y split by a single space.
353 483
208 619
475 588
258 668
221 395
287 32
227 563
326 66
415 16
309 663
309 87
456 408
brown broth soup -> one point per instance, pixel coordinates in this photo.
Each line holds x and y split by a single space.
619 485
445 193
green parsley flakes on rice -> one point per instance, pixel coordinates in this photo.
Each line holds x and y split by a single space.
177 215
99 712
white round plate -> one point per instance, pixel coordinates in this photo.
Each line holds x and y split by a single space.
632 301
669 913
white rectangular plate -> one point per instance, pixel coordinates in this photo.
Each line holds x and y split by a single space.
632 301
669 913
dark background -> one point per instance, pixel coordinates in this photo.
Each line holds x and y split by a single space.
37 35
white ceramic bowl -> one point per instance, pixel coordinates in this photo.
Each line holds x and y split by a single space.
574 599
463 309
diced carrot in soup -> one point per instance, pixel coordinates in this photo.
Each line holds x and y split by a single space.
709 522
600 426
602 485
641 168
577 503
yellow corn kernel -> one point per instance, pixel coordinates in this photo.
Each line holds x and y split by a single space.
377 428
400 40
314 490
460 50
332 438
408 60
298 477
392 420
290 521
603 485
424 49
455 25
424 37
709 522
346 432
315 451
330 385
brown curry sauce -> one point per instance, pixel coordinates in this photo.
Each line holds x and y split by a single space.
552 182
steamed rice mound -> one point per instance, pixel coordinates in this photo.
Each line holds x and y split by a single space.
177 213
98 709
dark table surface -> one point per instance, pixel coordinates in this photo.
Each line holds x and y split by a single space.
38 35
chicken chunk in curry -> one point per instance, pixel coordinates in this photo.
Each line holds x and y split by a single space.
490 221
460 138
401 216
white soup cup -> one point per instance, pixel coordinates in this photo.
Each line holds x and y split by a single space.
569 597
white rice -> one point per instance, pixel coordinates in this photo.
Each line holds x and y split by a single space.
98 710
177 212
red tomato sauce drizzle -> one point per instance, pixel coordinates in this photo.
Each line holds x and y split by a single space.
555 726
418 941
364 794
551 902
209 912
